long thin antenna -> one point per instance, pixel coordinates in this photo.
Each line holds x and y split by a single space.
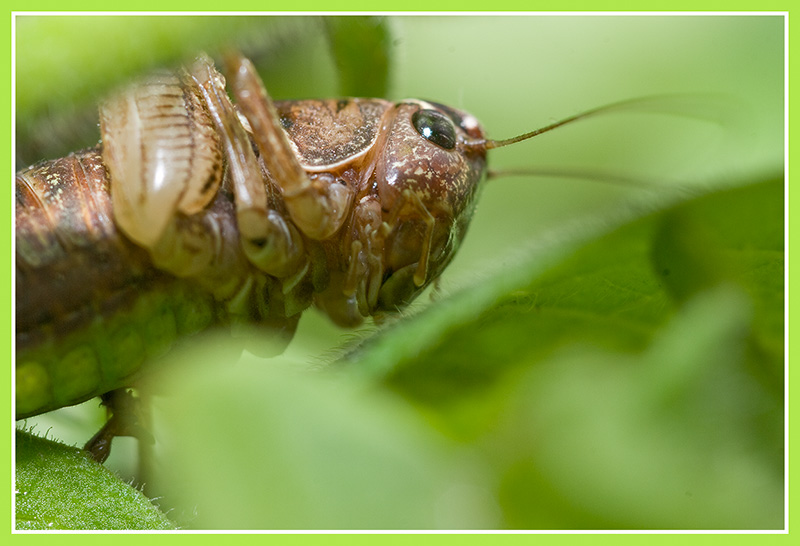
490 144
713 108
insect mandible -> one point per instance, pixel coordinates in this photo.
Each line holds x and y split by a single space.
196 210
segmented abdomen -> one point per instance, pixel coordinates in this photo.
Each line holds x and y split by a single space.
90 307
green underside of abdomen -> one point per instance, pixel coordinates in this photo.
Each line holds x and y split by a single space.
109 351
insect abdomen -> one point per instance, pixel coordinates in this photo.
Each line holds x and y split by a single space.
90 308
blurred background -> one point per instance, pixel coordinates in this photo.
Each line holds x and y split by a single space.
514 74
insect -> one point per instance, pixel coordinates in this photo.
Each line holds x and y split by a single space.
197 211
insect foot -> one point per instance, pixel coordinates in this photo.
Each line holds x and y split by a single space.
124 420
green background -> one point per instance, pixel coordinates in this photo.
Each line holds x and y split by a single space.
519 73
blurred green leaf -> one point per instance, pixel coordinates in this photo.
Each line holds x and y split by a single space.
59 487
282 450
672 438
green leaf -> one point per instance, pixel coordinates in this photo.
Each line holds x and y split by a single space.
278 449
58 487
672 438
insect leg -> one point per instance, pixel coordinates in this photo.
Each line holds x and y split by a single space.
165 168
365 272
316 205
353 290
270 242
162 155
124 420
410 198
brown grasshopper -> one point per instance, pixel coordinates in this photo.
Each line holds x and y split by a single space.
198 211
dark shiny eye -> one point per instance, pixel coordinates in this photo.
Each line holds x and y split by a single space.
435 127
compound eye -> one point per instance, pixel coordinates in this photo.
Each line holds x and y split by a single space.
435 127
